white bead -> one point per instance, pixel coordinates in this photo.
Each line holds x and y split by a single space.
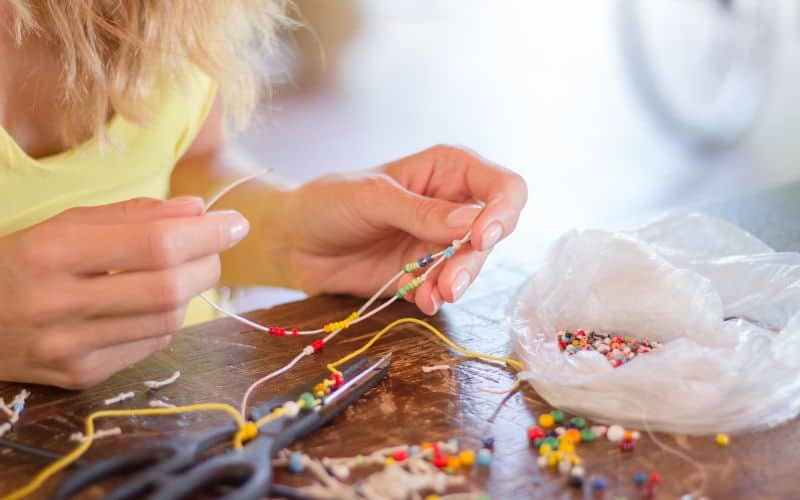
541 462
560 430
577 471
291 409
308 350
636 434
615 433
564 466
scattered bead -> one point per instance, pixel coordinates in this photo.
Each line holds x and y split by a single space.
722 439
639 478
488 443
626 445
453 444
598 484
389 461
484 457
553 458
566 447
615 433
560 431
400 455
536 480
453 462
576 477
546 420
588 435
618 350
573 435
558 416
636 435
564 466
541 462
579 422
535 433
545 449
439 460
467 458
295 463
655 478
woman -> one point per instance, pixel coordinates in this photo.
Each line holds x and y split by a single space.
108 107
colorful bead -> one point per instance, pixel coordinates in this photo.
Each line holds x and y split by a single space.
295 463
722 439
340 325
573 435
538 442
564 466
545 449
615 433
553 442
400 455
553 458
655 478
448 252
535 432
318 344
560 431
536 480
452 443
541 462
488 443
558 416
414 450
626 445
576 477
291 409
403 291
588 435
598 484
579 422
410 267
546 420
467 458
639 478
566 447
306 401
484 457
453 462
389 461
439 460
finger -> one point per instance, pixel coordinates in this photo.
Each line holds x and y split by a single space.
108 331
428 219
152 245
101 364
459 272
146 292
134 210
444 170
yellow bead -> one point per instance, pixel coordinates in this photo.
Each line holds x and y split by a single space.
467 458
574 459
723 439
389 461
546 420
426 445
454 462
545 449
433 497
566 447
553 458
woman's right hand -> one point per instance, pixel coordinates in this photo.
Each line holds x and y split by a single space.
66 320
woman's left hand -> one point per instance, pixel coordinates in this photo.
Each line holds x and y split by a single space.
350 233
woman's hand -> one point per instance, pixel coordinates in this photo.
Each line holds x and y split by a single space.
66 321
349 234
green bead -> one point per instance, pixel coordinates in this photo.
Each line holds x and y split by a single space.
558 416
538 442
307 400
552 441
588 435
411 266
579 422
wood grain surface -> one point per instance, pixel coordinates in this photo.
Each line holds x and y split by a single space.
220 359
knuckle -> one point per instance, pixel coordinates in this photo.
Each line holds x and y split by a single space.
77 375
51 349
44 249
161 247
169 291
138 205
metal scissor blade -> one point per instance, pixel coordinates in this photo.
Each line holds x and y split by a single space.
367 377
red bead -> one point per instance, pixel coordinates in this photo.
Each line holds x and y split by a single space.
318 345
626 445
337 380
439 460
400 455
295 333
655 478
535 433
580 333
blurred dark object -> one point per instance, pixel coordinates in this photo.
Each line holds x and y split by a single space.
702 67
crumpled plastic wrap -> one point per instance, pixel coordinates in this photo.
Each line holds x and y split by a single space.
723 303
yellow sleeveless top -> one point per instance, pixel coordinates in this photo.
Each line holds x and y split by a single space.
138 163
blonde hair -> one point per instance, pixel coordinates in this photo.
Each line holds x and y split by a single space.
113 52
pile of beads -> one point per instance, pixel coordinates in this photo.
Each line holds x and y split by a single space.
618 350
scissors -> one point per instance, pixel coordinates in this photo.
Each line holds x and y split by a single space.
175 469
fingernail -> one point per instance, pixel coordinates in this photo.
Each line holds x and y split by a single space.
436 298
460 284
181 201
491 235
237 225
462 217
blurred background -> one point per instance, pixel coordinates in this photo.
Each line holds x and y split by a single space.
612 110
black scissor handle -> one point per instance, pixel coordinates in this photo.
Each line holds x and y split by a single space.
147 466
233 475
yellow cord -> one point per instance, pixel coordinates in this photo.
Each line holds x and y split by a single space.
79 450
471 354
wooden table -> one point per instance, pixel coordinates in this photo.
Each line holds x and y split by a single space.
219 359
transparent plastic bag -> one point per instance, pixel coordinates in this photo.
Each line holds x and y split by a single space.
724 305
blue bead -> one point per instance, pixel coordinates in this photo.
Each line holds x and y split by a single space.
448 252
428 259
488 443
598 483
18 406
640 478
422 262
414 450
484 457
536 480
296 463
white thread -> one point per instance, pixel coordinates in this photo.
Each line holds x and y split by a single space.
14 410
118 398
157 403
5 408
156 384
104 433
434 368
4 428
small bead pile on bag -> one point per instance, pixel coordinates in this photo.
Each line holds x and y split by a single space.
618 350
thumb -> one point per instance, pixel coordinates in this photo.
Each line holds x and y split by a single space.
428 219
135 210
